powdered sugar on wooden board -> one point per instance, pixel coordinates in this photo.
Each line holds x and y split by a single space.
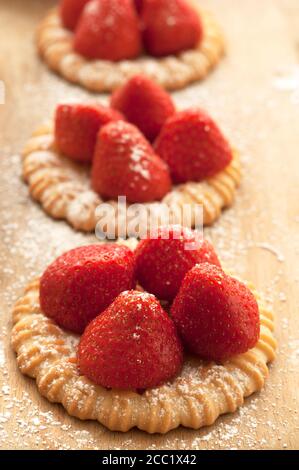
257 239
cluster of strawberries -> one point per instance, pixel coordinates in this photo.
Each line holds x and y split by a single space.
116 30
141 145
129 340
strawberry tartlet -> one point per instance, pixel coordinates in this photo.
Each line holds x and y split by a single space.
113 339
140 148
99 44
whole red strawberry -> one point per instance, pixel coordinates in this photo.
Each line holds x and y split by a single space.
108 30
170 27
70 11
125 165
77 126
216 315
163 260
81 283
145 104
132 345
193 146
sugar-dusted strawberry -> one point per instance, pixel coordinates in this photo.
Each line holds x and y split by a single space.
81 283
163 260
70 11
193 146
132 345
145 104
77 126
216 315
109 30
170 27
125 164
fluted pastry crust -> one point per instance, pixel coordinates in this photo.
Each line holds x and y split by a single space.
195 398
63 187
54 44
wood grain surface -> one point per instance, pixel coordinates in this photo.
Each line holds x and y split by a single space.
254 95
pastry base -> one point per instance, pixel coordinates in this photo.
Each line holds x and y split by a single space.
195 398
63 187
54 44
